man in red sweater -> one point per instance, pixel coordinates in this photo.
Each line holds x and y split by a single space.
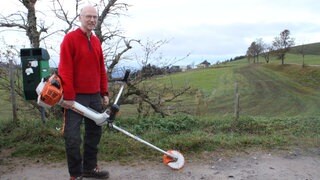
84 80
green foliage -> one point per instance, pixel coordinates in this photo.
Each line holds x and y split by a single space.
31 138
210 134
185 133
170 125
249 125
6 109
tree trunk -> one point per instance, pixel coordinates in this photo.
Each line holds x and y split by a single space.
31 31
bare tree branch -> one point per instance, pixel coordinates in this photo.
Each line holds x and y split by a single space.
27 22
117 58
62 14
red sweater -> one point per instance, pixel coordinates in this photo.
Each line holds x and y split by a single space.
81 65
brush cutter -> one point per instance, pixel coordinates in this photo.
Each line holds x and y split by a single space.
50 93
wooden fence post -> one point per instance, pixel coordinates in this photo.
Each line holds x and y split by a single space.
13 95
236 102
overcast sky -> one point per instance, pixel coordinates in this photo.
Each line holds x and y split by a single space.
218 29
214 29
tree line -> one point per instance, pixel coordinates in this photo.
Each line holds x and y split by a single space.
279 47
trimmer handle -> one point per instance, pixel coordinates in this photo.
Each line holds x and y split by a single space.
126 76
120 79
115 108
113 112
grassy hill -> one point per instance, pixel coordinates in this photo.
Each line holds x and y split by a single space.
270 90
265 89
308 49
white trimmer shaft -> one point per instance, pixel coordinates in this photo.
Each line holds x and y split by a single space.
99 118
172 158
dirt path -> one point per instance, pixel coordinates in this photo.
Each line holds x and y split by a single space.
254 165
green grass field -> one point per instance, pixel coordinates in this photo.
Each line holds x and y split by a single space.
269 90
279 108
308 49
6 109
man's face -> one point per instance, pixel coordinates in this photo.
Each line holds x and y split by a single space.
88 18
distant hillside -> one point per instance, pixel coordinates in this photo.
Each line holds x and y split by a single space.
265 89
309 49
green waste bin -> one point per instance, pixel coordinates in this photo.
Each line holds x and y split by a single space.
35 65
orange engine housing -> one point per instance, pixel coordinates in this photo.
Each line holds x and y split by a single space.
52 91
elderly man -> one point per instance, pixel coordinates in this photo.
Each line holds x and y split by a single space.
84 79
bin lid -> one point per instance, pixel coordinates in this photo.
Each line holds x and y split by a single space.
38 53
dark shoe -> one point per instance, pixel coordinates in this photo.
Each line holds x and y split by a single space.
96 173
76 178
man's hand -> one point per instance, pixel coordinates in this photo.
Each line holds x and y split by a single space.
105 100
67 104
